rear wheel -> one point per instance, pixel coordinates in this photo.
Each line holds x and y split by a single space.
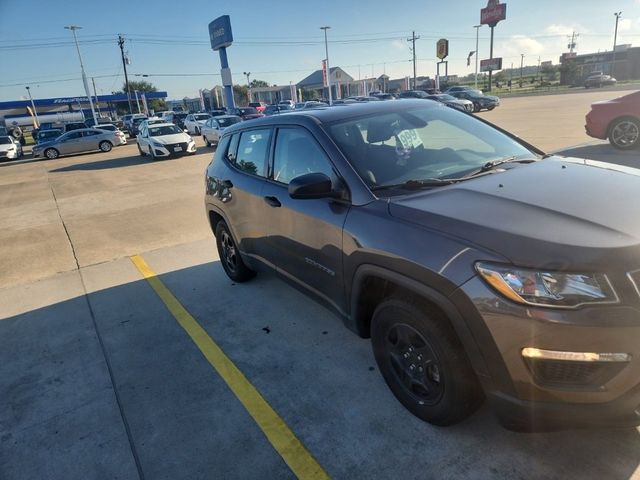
230 257
51 153
624 133
423 362
105 146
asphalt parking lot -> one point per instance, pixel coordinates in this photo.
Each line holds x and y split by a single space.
115 313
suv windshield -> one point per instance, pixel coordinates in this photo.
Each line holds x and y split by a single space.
163 130
5 140
421 144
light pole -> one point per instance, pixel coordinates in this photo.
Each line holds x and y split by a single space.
615 39
477 27
521 65
33 105
326 50
247 74
73 29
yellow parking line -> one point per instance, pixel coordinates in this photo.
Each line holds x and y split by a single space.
292 451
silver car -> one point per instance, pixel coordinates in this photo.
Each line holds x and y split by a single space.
77 141
213 128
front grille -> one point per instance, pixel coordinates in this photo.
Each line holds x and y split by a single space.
635 280
562 373
4 154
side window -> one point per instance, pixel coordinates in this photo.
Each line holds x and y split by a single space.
297 153
233 148
90 133
73 136
252 151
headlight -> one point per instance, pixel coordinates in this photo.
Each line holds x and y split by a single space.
156 144
548 288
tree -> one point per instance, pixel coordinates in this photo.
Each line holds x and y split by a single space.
144 87
240 94
258 83
568 72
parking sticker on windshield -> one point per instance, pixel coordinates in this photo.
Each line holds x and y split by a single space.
409 139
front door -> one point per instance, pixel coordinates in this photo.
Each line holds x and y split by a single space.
305 236
71 143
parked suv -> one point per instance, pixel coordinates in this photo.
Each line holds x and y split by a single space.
479 266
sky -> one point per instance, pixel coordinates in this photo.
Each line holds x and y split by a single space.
280 41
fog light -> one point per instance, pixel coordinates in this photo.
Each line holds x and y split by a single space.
537 353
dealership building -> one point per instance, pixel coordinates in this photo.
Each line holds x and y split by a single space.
624 65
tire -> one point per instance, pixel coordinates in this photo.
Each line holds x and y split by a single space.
206 142
105 146
142 154
51 153
624 133
197 130
476 107
230 257
423 362
490 108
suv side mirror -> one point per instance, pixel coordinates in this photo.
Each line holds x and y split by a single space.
312 186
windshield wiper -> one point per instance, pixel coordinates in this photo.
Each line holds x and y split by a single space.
492 165
415 184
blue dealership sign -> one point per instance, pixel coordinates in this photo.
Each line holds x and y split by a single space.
220 32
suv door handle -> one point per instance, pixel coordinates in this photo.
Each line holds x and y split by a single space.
273 201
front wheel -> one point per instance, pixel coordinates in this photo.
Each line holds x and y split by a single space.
423 362
476 107
491 108
624 133
142 154
229 254
51 153
105 146
197 130
206 142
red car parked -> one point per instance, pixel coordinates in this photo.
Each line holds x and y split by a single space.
617 119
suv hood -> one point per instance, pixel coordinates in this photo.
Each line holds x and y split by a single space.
562 213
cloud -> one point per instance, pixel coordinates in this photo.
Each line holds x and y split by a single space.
625 24
398 45
559 29
518 44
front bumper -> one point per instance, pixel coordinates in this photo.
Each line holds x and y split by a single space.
174 149
7 155
566 394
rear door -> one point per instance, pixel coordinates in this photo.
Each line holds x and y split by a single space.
304 236
90 140
71 143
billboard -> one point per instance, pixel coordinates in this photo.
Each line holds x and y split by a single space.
493 13
491 64
442 48
220 32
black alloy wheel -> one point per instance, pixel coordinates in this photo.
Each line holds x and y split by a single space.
230 258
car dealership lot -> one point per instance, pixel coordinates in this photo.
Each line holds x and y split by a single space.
102 380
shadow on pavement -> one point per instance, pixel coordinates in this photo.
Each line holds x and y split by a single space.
604 152
119 162
61 419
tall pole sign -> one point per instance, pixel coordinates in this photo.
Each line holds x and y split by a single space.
493 13
221 38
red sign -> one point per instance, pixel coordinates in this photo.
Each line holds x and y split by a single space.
442 48
491 64
324 73
493 13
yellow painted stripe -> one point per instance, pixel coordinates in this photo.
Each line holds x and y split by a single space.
292 451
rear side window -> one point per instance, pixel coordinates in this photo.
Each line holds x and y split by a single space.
252 151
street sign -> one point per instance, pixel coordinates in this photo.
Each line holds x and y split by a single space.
491 64
493 13
220 32
442 48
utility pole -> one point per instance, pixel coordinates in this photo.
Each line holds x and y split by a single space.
326 51
521 65
572 44
95 94
413 50
247 74
615 39
477 27
124 65
73 29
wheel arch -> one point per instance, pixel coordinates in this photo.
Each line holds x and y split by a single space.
621 117
372 283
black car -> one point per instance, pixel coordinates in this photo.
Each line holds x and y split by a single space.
480 100
599 79
479 266
413 94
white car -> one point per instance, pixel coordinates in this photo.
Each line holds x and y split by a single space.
151 121
194 122
163 140
10 148
112 128
213 128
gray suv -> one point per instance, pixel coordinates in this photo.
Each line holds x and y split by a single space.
479 266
